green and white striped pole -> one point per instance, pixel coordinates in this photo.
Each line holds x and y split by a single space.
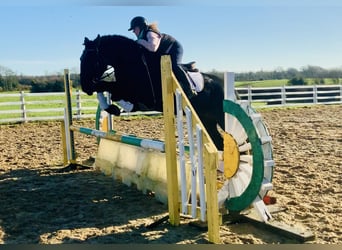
127 139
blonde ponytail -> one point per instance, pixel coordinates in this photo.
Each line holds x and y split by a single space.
154 27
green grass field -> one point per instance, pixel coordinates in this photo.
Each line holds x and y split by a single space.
34 102
264 83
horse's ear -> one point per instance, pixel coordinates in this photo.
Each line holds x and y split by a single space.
86 40
97 40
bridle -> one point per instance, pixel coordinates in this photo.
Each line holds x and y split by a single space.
98 76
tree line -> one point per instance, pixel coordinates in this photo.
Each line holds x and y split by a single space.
295 76
9 81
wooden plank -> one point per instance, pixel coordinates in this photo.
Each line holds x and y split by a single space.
170 141
298 232
213 218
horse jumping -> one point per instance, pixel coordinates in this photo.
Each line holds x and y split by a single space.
138 80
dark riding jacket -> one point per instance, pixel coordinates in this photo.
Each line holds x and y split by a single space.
166 41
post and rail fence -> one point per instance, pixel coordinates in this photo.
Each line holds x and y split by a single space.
291 95
25 107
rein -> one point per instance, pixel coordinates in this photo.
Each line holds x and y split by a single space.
149 78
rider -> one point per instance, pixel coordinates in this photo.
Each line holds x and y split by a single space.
149 36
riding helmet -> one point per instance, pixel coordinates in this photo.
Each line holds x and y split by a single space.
138 21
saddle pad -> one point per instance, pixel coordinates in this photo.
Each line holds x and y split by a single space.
197 80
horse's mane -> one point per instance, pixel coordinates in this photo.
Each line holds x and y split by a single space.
116 39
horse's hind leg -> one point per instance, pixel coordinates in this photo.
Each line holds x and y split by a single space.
211 127
217 139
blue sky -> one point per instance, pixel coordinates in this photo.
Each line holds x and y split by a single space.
44 37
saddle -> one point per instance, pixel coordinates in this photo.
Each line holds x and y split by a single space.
194 76
189 67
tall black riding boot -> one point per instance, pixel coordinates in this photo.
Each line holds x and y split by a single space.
184 82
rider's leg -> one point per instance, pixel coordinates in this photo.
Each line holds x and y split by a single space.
176 53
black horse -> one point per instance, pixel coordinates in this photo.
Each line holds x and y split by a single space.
138 80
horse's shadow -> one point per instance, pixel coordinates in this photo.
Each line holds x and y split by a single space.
84 206
49 206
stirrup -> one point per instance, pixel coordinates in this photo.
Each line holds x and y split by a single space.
190 93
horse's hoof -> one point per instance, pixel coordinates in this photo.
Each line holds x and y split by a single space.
113 110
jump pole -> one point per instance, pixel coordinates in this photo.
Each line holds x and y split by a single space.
181 146
118 137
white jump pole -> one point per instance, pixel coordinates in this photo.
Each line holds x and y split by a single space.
188 115
199 137
179 113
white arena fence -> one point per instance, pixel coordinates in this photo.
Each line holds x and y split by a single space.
25 107
291 95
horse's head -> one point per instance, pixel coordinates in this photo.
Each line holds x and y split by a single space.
92 65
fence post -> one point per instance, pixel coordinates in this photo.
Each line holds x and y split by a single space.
283 95
23 106
250 95
314 90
